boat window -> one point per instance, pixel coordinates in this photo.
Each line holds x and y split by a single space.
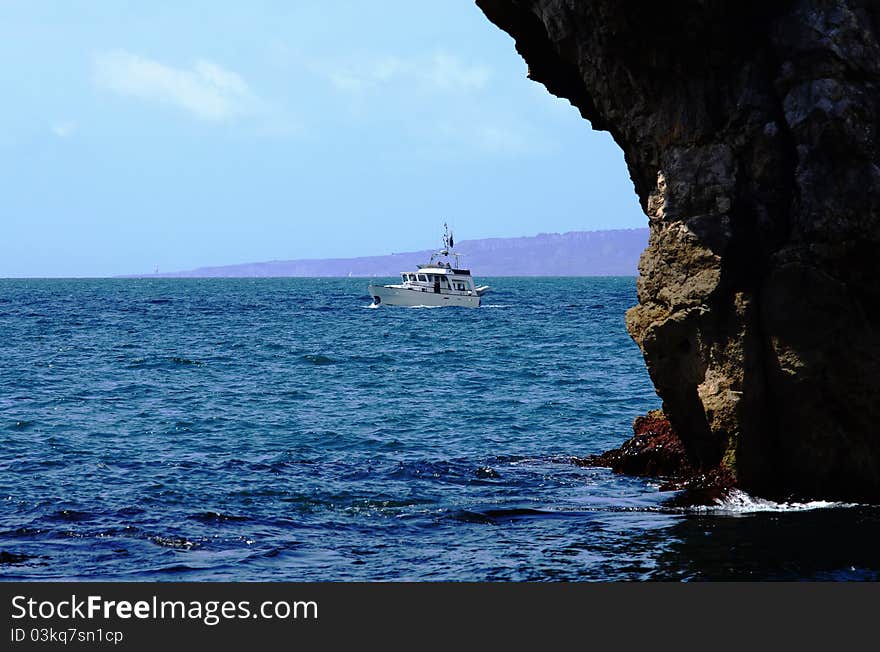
423 278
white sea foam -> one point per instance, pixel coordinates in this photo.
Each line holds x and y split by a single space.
739 502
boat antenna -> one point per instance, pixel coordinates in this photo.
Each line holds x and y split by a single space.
448 242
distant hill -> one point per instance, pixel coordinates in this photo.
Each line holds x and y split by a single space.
576 253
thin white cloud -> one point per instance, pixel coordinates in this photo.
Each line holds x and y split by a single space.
63 129
206 90
365 74
448 73
444 113
440 73
470 135
495 138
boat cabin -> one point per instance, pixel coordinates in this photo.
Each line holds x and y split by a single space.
440 279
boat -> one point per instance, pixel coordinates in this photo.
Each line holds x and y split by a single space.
436 283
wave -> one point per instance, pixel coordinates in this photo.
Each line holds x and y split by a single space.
495 516
185 361
217 517
177 543
318 359
374 358
162 363
71 516
14 557
737 501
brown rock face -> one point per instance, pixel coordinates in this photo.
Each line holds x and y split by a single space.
751 135
654 450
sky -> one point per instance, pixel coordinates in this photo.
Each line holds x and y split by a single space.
174 135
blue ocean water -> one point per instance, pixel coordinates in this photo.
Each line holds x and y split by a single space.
280 429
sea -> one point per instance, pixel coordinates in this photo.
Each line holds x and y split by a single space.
283 429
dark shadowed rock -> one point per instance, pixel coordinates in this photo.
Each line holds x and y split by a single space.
750 130
654 450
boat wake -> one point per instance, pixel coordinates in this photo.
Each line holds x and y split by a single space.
739 502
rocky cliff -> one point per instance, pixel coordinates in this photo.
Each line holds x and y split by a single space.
750 130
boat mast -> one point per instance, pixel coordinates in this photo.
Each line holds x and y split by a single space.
448 244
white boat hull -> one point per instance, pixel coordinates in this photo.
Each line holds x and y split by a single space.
401 296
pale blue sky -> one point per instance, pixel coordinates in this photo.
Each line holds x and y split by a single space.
184 134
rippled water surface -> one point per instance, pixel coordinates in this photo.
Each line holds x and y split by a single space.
279 429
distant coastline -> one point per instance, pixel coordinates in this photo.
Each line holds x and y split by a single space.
575 253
